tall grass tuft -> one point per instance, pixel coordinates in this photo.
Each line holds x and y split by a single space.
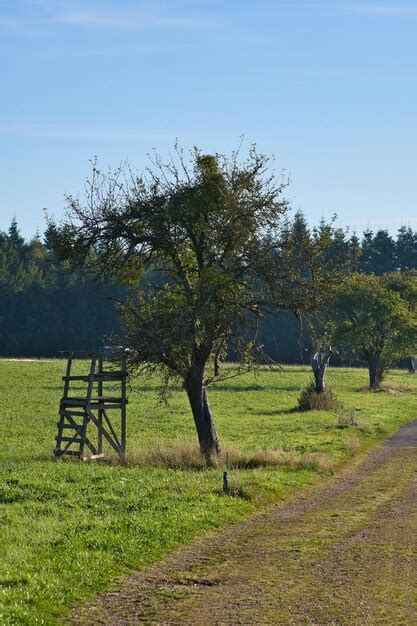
310 400
346 418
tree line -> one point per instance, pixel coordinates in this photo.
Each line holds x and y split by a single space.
45 308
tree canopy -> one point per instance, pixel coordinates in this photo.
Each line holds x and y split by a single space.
374 321
205 229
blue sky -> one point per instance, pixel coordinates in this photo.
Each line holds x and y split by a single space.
330 88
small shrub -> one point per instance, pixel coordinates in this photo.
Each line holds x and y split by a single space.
310 400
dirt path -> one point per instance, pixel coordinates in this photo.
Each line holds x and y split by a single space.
345 555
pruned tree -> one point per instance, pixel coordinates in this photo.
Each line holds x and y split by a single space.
319 363
373 322
198 231
308 269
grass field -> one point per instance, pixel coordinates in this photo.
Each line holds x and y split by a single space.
69 529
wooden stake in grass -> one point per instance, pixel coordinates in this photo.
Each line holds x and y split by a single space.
226 476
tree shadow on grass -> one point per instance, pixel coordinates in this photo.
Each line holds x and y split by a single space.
290 411
224 387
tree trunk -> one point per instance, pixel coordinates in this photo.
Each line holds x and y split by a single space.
206 430
300 339
412 365
319 363
375 372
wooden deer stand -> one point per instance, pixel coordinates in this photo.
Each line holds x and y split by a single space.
78 413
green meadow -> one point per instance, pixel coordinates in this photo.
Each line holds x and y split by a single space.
69 529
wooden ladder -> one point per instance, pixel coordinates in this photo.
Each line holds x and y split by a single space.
77 412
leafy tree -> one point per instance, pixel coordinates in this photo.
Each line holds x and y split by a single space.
405 284
373 322
201 228
290 276
309 267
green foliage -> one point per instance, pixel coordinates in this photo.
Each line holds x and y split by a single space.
41 304
71 529
378 253
197 226
310 264
405 284
373 321
15 238
44 308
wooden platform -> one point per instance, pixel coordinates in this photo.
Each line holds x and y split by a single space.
76 428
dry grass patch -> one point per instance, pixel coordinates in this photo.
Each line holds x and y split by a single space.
187 456
353 445
395 390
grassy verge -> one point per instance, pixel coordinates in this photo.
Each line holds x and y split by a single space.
68 529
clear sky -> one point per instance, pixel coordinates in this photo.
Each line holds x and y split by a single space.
330 88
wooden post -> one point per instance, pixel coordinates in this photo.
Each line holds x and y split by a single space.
89 394
100 412
226 488
91 378
68 373
123 407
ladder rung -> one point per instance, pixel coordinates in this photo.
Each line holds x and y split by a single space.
69 452
104 376
112 399
73 402
117 375
69 439
80 402
64 413
102 405
73 426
